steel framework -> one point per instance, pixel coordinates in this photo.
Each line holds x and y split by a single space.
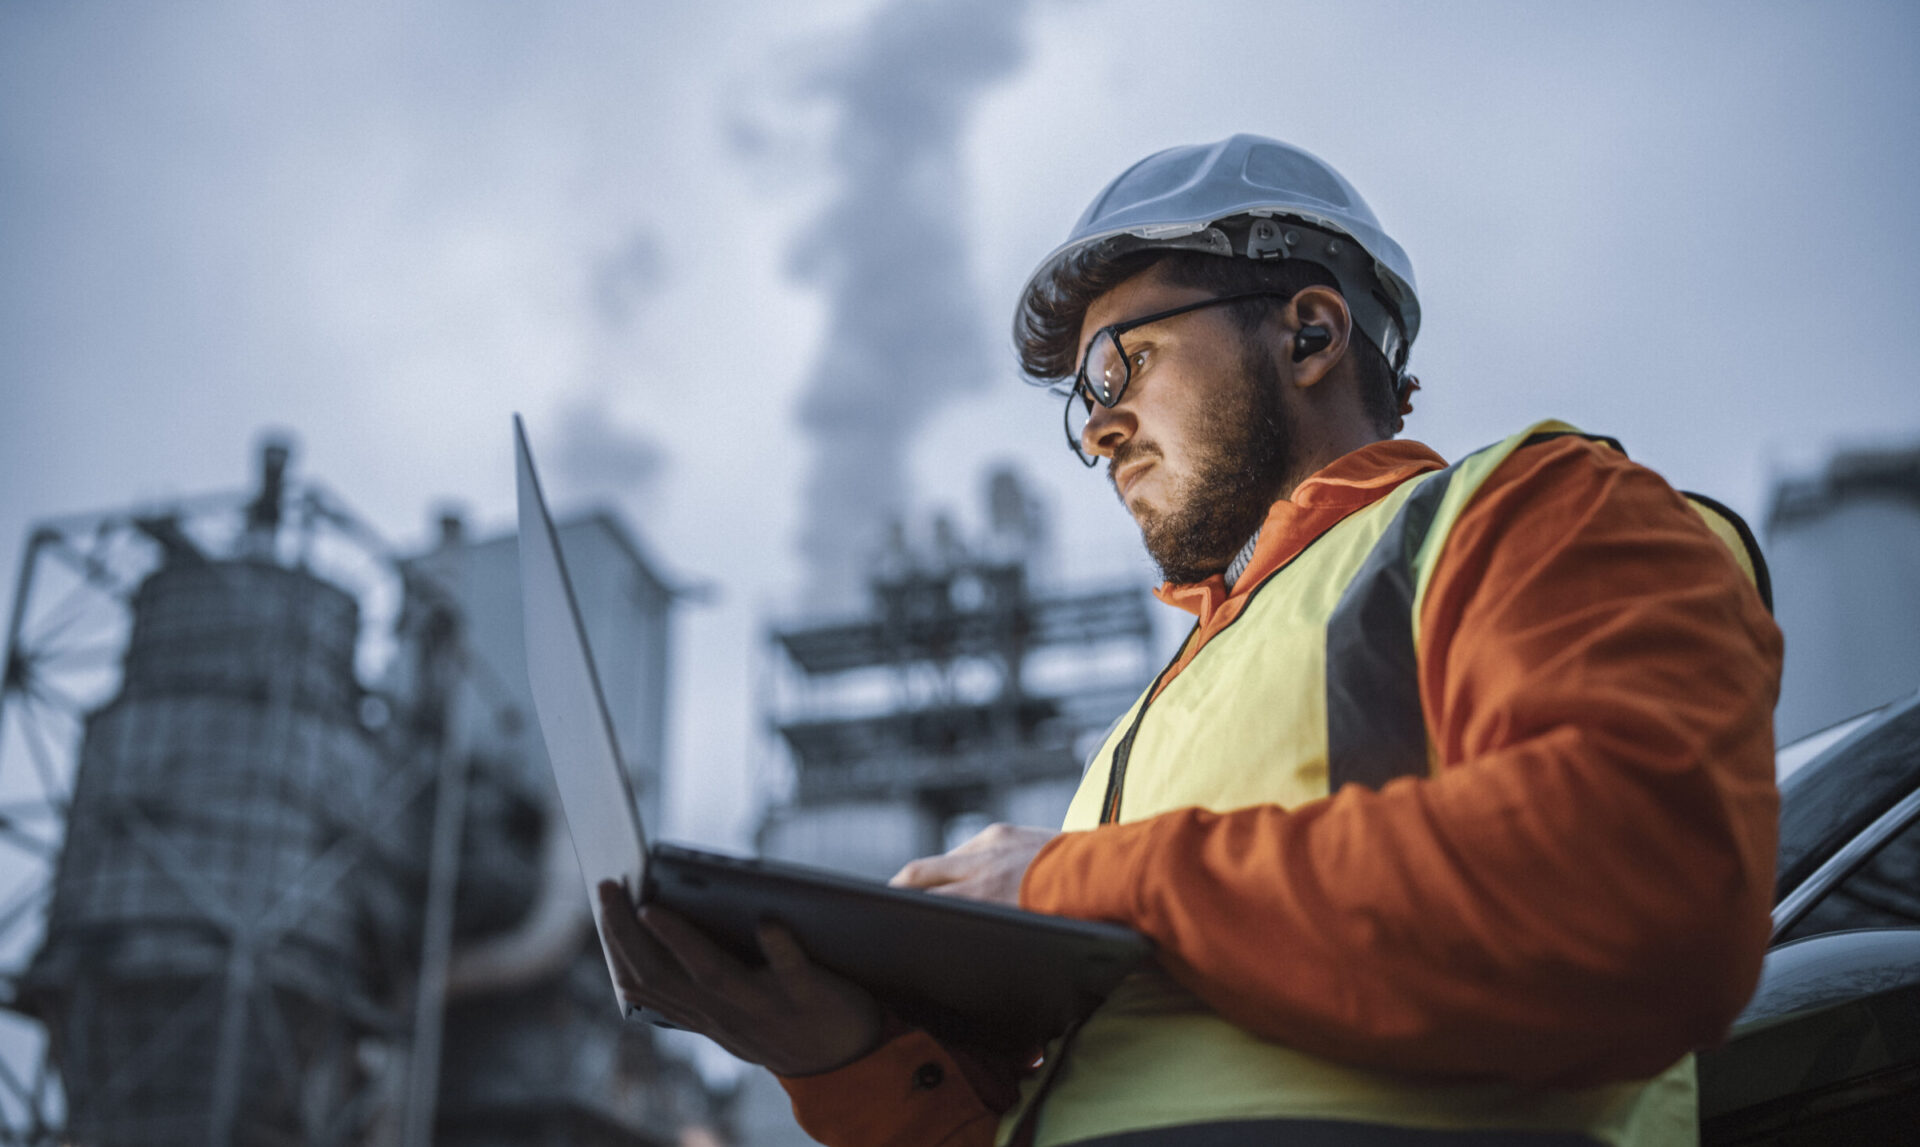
961 684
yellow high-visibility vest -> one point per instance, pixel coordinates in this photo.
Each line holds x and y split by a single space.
1315 684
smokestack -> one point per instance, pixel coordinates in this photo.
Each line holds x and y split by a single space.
263 513
452 526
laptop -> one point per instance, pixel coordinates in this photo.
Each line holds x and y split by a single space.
966 971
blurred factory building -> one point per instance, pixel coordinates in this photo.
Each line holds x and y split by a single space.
968 692
277 860
1844 544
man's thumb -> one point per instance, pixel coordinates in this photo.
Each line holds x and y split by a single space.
784 954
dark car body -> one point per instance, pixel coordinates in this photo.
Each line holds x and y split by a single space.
1828 1051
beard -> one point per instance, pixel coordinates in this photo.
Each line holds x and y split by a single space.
1236 478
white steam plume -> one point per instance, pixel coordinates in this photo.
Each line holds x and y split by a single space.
905 334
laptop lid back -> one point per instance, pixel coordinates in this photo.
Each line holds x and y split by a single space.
595 794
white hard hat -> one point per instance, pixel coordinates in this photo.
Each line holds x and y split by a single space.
1258 198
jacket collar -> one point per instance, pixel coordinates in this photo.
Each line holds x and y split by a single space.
1348 483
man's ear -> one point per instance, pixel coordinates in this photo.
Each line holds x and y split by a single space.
1319 327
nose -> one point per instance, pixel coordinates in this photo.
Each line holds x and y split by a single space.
1107 428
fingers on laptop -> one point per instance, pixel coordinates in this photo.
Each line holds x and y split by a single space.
704 963
645 970
783 952
949 874
928 872
788 961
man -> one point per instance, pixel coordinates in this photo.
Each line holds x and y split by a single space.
1453 819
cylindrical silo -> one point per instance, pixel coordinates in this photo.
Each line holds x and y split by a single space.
224 913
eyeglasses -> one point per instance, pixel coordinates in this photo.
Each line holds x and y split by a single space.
1107 368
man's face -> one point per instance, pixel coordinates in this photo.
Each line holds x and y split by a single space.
1200 444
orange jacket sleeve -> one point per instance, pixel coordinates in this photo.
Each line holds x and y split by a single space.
1580 892
910 1092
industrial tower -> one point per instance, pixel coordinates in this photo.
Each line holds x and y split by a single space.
275 850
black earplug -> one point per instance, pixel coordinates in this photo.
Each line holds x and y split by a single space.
1312 339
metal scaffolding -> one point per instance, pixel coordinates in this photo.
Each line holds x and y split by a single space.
962 686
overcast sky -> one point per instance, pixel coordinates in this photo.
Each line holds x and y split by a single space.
704 247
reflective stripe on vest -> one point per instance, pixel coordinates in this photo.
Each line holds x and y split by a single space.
1247 722
1376 729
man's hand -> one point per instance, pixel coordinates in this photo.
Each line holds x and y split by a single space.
791 1016
988 867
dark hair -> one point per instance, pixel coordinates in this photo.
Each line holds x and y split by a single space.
1047 331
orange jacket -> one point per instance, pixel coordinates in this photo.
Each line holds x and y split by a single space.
1579 894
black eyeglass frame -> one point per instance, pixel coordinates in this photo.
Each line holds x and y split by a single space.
1113 331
